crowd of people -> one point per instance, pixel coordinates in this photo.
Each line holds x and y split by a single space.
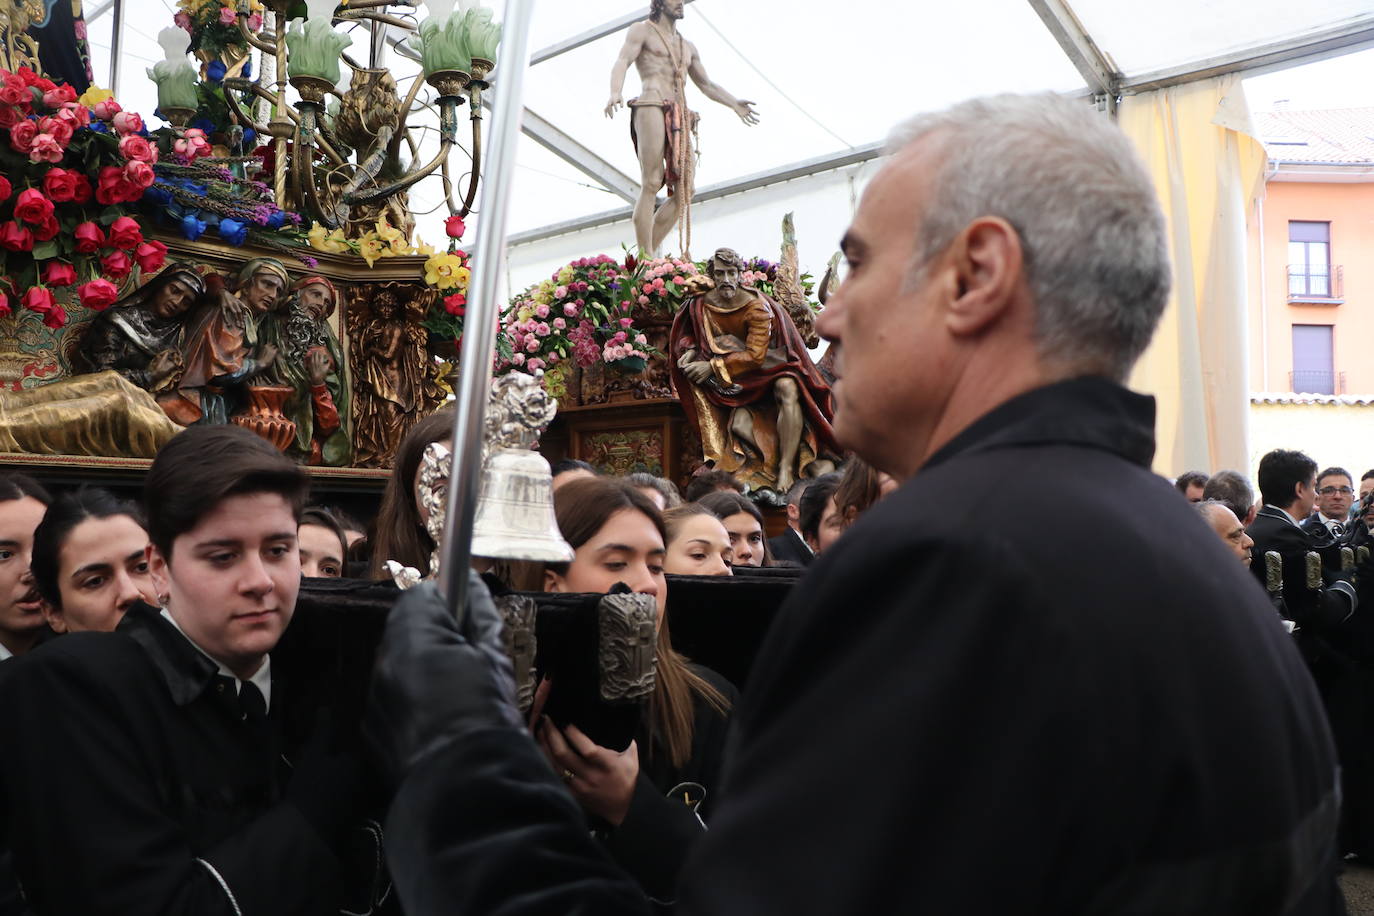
1060 694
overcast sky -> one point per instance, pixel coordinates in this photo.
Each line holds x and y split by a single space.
825 76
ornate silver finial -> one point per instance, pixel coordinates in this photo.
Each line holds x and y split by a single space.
518 412
431 486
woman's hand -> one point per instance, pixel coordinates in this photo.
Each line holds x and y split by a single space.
602 780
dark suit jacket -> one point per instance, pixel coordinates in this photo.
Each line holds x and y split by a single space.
790 546
134 785
1087 707
1321 611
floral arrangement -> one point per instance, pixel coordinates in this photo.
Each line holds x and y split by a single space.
198 193
58 228
213 26
449 272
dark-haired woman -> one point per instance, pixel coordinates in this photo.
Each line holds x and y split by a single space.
323 544
648 799
744 522
90 561
698 544
401 534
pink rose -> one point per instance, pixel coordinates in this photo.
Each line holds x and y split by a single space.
106 110
570 310
227 16
255 22
541 310
560 292
58 129
648 288
658 283
535 364
59 274
626 322
135 147
518 359
140 175
192 144
643 300
532 345
6 310
98 294
455 227
75 114
127 122
22 135
54 98
5 188
560 324
46 149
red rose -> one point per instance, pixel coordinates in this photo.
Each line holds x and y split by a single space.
32 207
135 147
98 294
9 116
81 191
5 309
117 264
59 274
55 97
47 229
455 227
16 237
108 184
76 114
150 256
140 175
125 234
60 185
38 299
22 135
17 95
456 304
56 317
89 238
6 189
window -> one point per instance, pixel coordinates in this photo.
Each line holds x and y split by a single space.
1309 259
1313 367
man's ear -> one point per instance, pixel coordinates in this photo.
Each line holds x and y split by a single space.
552 581
987 260
793 513
159 570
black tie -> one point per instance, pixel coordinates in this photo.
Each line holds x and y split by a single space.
252 704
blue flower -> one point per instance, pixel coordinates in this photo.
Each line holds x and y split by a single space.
215 72
191 227
204 124
276 220
247 72
249 135
159 197
99 127
233 231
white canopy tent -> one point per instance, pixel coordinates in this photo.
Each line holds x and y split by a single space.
829 81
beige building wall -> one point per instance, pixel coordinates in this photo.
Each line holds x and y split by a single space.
1330 433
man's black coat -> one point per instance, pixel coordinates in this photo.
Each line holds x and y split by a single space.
1058 693
789 546
133 785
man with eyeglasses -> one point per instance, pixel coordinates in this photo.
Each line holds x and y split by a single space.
1335 493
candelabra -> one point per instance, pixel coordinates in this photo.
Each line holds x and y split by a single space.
457 48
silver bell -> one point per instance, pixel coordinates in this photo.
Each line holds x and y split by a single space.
515 518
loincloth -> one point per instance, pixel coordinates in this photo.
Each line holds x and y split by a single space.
673 124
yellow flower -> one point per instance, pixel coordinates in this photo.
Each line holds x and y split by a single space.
565 276
94 96
424 248
441 270
525 313
321 239
462 275
371 248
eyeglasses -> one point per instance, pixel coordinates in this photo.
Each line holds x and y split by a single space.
1330 491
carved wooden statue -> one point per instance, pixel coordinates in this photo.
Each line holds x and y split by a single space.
391 377
748 385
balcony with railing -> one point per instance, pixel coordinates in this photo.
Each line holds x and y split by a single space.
1316 284
1316 381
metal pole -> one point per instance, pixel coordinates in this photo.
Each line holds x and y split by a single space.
116 45
484 304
